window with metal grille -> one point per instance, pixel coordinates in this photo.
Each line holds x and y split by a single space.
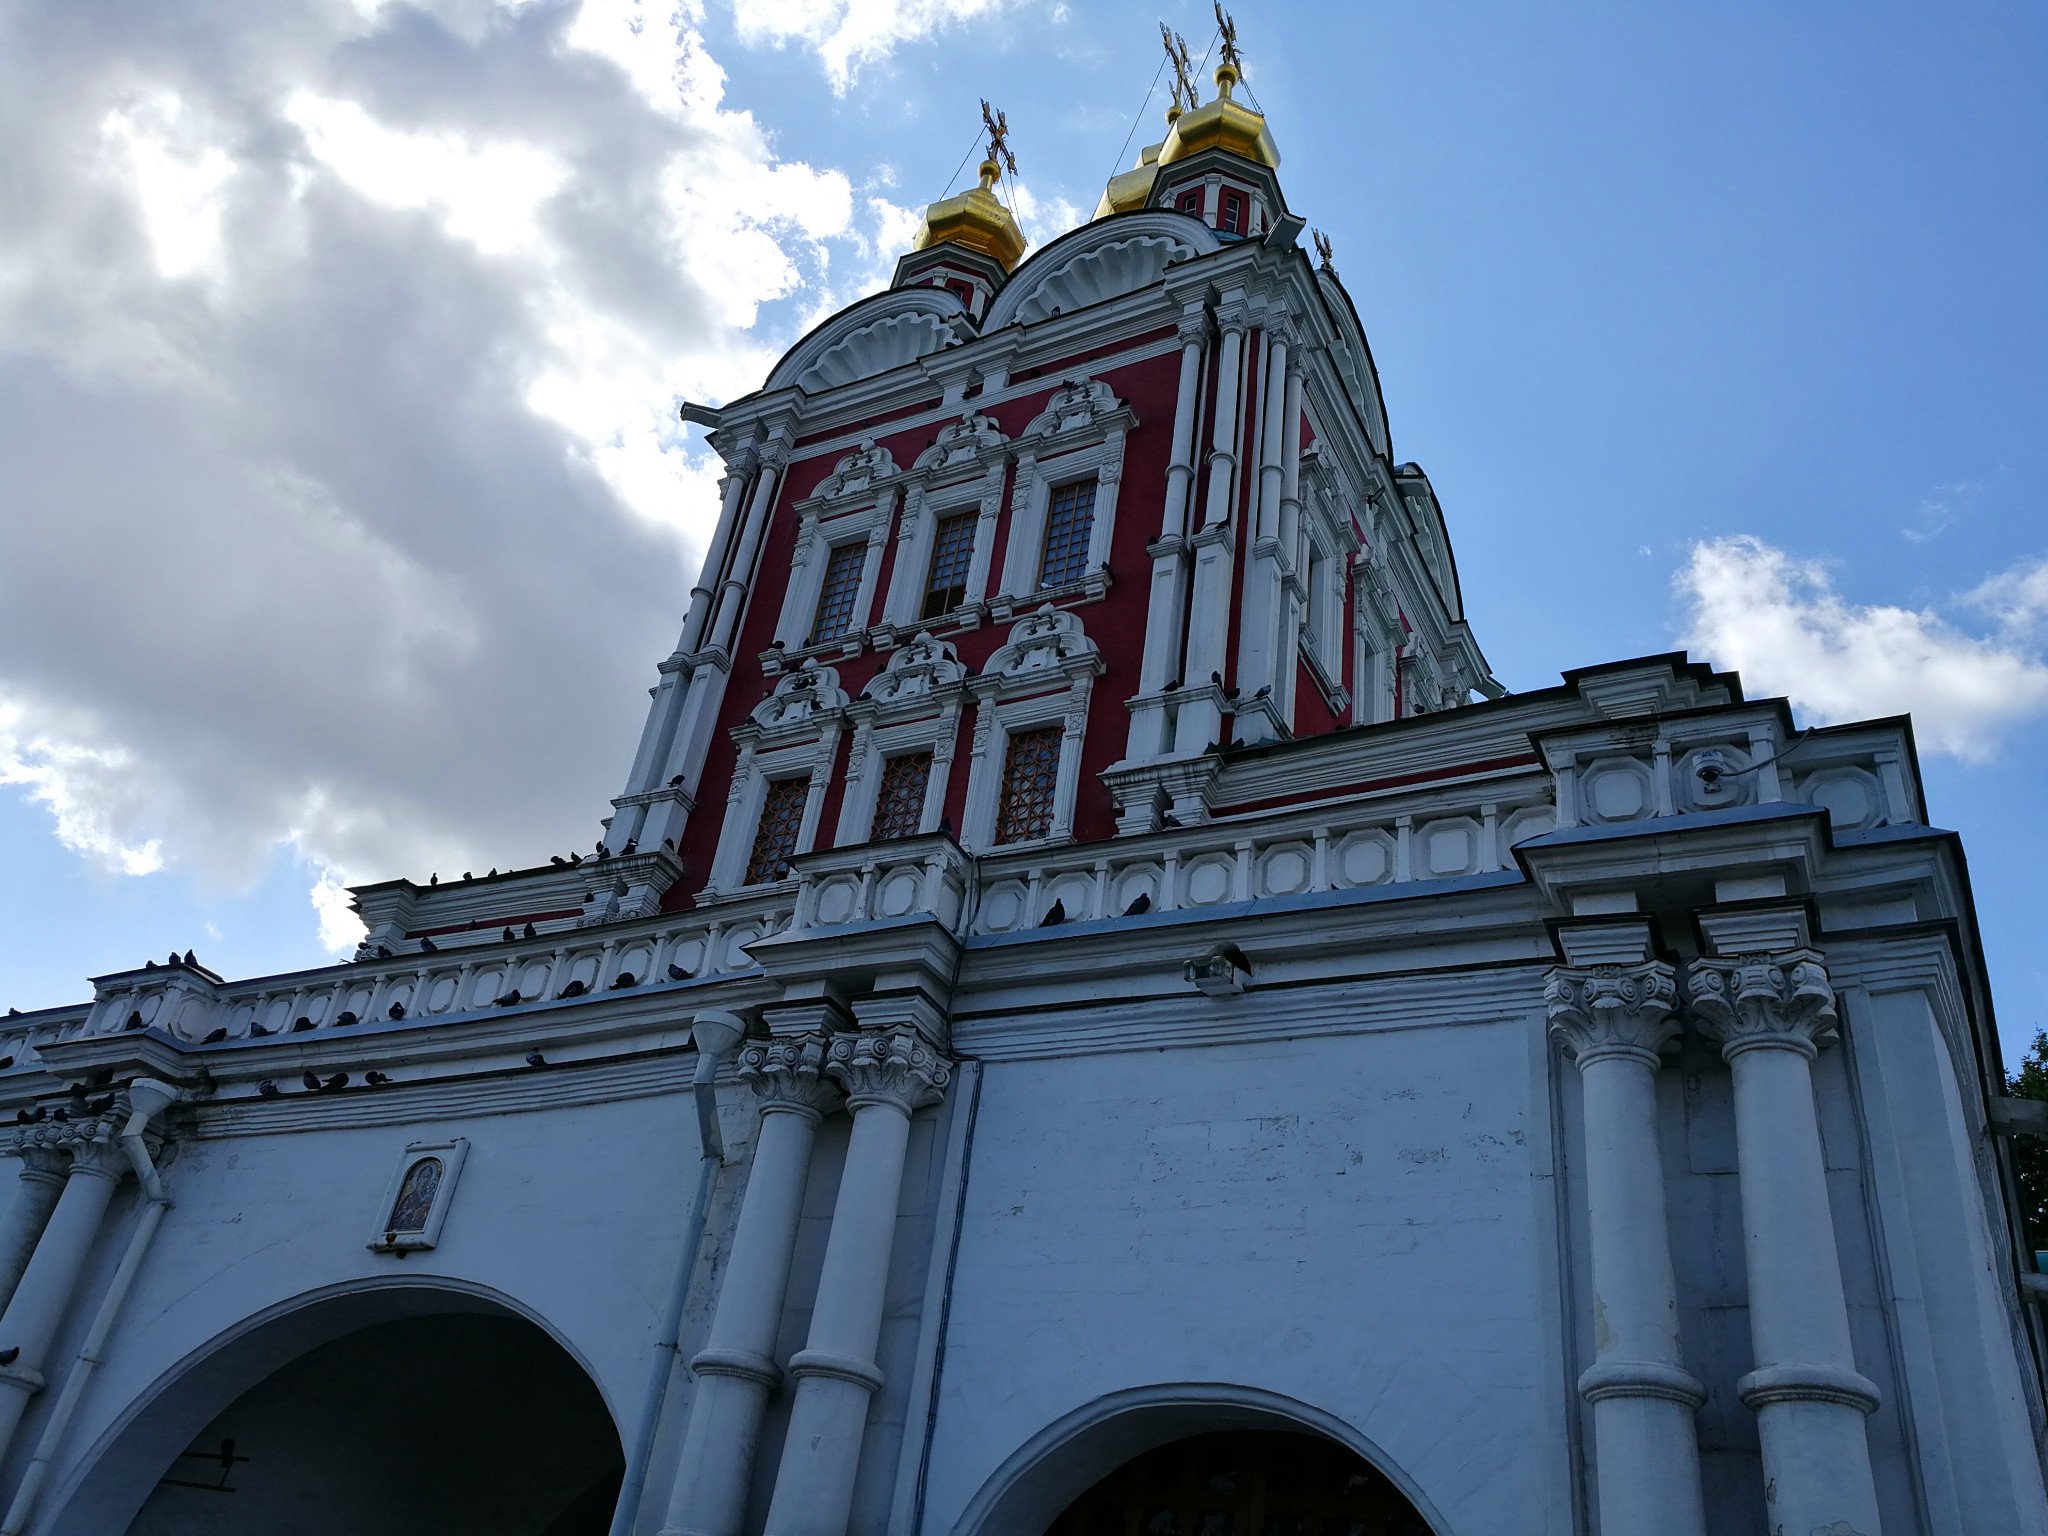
945 584
837 592
1031 773
1068 523
899 803
782 817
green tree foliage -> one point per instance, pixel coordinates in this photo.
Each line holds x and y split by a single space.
2030 1153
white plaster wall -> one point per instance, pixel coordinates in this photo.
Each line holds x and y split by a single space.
572 1215
1355 1223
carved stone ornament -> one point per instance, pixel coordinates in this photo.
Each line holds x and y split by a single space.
894 1067
788 1076
860 469
962 442
799 696
1074 406
916 671
1782 1000
1041 642
1602 1011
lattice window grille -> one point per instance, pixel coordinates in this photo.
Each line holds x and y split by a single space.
775 835
945 585
1070 520
838 592
1031 775
899 801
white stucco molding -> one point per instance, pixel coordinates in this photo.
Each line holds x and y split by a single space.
1613 1010
788 1076
1097 262
895 1067
1783 1001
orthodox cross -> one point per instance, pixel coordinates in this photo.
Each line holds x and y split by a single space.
1226 30
1322 247
998 127
1183 83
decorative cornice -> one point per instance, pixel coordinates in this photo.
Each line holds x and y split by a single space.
1780 1001
1605 1012
788 1076
894 1067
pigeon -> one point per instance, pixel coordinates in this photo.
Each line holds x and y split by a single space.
429 947
149 965
575 859
60 1115
77 1091
1169 687
558 861
632 846
530 932
508 999
38 1115
14 1013
676 782
135 1022
395 1011
10 1354
345 1018
258 1032
1168 819
174 960
677 973
383 951
1054 914
190 960
573 989
375 1079
467 875
535 1059
669 843
301 1024
493 874
1263 691
1235 956
23 1117
339 1080
946 825
6 1062
102 1106
434 879
1216 678
510 935
624 980
1140 903
266 1089
311 1080
214 1037
206 1081
603 853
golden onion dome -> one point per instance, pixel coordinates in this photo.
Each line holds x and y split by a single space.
1222 124
975 220
1133 188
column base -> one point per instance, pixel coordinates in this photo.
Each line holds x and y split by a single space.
820 1362
1808 1384
1608 1379
743 1363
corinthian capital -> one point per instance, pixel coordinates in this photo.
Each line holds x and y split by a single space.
788 1076
889 1066
1603 1011
1780 1000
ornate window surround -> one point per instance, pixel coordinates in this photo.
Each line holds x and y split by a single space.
856 502
793 733
912 705
1042 677
1080 434
451 1154
1376 641
1330 545
964 467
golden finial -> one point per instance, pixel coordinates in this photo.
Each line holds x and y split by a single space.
1183 83
1323 251
1231 70
999 157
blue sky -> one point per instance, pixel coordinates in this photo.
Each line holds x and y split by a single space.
345 518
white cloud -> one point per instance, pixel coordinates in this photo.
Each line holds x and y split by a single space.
362 548
1781 623
848 34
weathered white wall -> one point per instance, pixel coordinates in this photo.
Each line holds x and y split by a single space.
1356 1223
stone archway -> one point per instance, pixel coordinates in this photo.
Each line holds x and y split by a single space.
1106 1468
404 1407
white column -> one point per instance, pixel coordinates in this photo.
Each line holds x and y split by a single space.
1772 1013
1260 602
1200 720
41 1182
40 1299
1616 1021
732 591
1166 612
887 1075
736 1369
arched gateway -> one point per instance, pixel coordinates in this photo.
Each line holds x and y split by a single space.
399 1407
1197 1459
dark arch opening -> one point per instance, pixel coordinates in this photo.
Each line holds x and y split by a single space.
416 1405
1243 1482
